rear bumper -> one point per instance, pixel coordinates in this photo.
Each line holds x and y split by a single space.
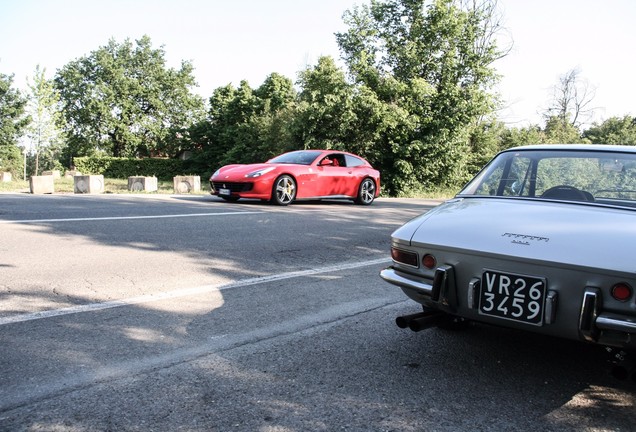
440 290
393 277
595 324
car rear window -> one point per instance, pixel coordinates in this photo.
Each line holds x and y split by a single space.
353 161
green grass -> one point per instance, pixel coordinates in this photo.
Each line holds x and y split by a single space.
111 186
14 186
432 193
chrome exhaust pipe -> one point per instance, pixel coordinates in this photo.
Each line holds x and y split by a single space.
419 321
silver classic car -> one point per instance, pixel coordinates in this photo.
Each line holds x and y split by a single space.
542 239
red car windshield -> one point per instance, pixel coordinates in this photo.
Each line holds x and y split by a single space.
302 157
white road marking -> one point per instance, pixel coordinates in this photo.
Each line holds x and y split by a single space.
185 292
126 217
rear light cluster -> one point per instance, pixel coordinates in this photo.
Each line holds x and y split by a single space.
404 257
410 258
429 261
621 292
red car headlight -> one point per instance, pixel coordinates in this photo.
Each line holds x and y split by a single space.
260 172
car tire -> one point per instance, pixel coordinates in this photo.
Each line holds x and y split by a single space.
366 192
283 191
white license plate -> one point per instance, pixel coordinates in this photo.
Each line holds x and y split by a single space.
226 192
512 296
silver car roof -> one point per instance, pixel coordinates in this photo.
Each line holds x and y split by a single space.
576 147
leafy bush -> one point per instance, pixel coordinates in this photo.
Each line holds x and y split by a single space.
11 160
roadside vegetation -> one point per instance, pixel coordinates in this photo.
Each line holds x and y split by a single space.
120 186
415 97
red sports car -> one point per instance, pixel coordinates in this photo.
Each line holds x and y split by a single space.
300 175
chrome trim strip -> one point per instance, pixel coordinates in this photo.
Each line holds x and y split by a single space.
606 323
391 276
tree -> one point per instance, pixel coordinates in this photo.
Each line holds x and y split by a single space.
245 125
276 101
124 101
430 63
559 130
571 101
615 130
231 111
43 132
515 137
12 123
485 141
276 93
324 112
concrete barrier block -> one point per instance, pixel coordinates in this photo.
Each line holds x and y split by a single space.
88 184
186 184
41 184
5 177
145 184
55 173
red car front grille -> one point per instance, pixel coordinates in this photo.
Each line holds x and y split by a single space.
233 187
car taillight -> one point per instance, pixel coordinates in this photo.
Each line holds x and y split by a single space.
429 261
622 292
404 257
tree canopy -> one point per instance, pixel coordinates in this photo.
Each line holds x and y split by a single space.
12 124
244 125
415 96
44 131
412 99
123 99
615 130
429 64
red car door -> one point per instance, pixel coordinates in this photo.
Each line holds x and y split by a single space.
334 177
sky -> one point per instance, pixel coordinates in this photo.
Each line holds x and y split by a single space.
229 41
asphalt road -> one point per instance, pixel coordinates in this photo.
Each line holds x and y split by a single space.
166 313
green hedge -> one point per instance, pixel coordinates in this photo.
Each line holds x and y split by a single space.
112 167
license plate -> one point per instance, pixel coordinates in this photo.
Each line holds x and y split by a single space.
224 192
512 296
